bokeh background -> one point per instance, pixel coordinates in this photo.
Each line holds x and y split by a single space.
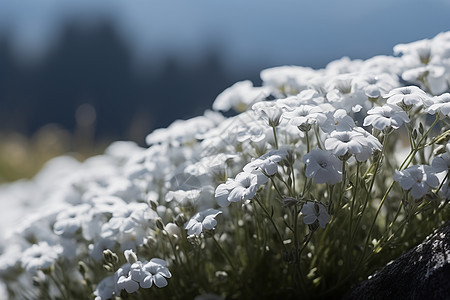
78 74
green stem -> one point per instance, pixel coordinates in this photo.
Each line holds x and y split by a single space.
350 240
276 188
414 150
275 136
225 255
271 221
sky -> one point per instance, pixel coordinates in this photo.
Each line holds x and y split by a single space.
266 33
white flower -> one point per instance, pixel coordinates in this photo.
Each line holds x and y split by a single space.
441 105
417 179
183 198
185 131
204 220
315 212
106 288
269 111
69 220
376 85
129 224
341 142
323 166
343 94
445 190
287 80
124 280
40 256
337 120
239 96
371 144
146 273
243 187
441 163
267 162
305 115
386 116
409 95
433 74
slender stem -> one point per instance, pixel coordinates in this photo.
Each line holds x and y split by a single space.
413 151
404 165
293 180
275 136
58 285
330 205
271 221
174 249
343 183
366 244
275 186
316 132
350 240
442 183
225 255
297 260
307 141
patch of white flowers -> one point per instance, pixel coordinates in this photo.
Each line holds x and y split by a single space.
312 183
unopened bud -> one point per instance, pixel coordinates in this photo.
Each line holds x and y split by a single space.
108 267
130 256
289 201
150 241
305 127
110 257
180 220
159 223
153 204
221 275
82 268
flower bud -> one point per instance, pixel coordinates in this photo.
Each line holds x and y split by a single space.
130 256
180 220
221 275
108 267
82 268
153 204
289 201
110 257
159 223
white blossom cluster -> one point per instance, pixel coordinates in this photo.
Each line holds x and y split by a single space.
305 124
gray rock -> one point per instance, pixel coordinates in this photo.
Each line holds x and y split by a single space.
421 273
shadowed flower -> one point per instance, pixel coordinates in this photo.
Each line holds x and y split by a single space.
338 120
417 180
441 105
243 187
267 162
146 273
239 96
315 212
323 166
204 220
409 95
40 256
386 116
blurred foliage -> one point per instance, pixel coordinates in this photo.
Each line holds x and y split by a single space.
22 157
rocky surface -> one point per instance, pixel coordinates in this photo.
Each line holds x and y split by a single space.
421 273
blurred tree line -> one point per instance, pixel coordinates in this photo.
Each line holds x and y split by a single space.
95 67
87 89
